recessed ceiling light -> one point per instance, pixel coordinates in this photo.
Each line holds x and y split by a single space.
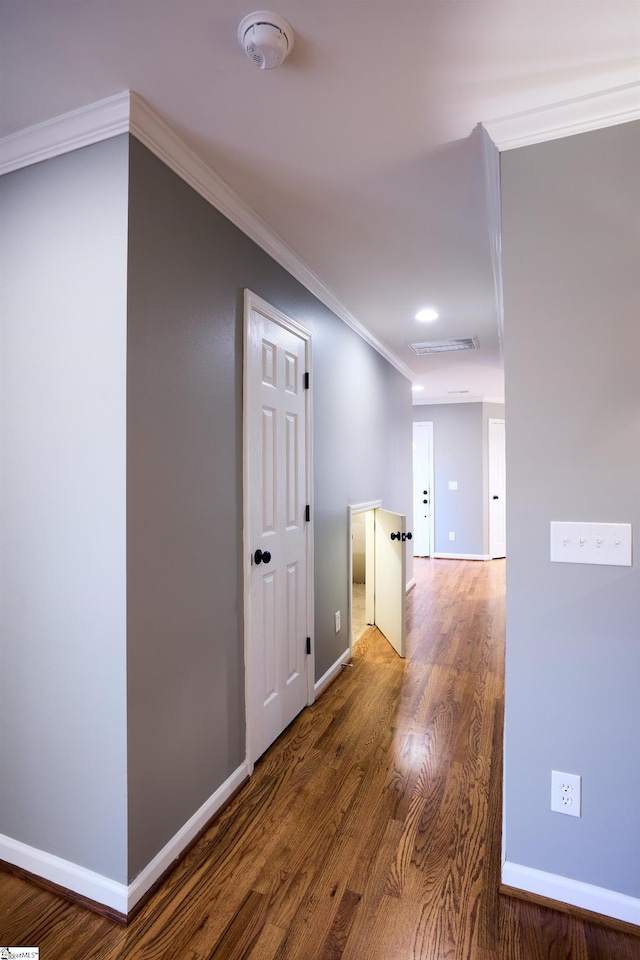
427 314
417 387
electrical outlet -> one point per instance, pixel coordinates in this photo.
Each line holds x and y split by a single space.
452 536
566 793
337 621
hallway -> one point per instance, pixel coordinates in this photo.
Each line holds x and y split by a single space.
369 831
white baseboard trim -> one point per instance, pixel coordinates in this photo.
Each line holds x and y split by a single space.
172 850
331 673
583 895
461 556
411 584
64 873
94 886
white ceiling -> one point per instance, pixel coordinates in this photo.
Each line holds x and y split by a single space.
362 151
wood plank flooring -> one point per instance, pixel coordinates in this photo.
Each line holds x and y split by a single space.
369 831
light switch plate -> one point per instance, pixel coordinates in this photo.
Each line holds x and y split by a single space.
599 543
453 484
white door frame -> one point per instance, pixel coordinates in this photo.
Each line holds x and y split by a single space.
431 484
351 510
251 302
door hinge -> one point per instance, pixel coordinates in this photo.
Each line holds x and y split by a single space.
307 513
308 644
306 380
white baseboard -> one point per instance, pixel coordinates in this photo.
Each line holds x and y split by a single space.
583 895
94 886
331 673
411 584
461 556
64 873
172 850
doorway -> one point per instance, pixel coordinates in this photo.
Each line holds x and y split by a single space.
362 569
377 573
359 619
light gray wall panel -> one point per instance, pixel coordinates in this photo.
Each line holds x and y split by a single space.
571 242
188 269
63 249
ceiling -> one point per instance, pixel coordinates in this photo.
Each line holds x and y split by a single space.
362 151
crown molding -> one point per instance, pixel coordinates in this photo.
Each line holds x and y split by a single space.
78 128
437 401
161 140
127 112
592 111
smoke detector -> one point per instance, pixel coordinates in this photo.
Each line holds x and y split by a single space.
266 38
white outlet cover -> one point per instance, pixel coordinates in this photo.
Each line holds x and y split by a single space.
453 484
566 793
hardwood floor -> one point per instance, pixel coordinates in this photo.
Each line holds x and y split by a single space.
369 831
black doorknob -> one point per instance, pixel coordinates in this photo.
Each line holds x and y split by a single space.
425 492
425 501
262 556
407 536
496 497
396 536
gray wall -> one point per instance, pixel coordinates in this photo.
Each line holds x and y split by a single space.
460 453
571 210
63 249
188 267
185 682
99 378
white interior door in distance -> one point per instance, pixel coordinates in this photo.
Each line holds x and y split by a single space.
497 491
422 487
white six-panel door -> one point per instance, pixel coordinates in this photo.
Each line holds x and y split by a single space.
276 536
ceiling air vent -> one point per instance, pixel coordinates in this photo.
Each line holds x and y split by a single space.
443 346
